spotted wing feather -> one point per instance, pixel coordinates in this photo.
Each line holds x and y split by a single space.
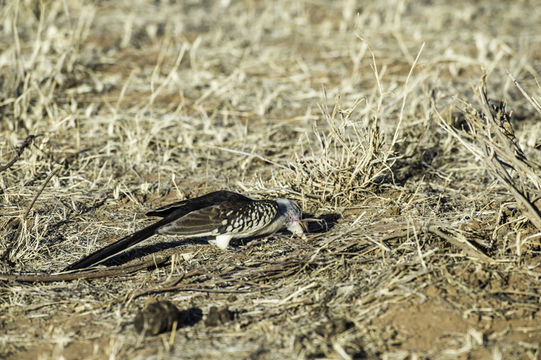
244 218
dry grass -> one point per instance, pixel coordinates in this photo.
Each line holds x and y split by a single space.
369 114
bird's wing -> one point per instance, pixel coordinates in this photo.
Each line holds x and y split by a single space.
235 218
181 208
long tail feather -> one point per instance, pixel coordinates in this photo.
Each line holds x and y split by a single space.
116 247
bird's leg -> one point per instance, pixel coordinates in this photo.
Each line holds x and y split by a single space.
221 241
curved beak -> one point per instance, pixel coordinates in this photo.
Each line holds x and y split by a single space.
298 228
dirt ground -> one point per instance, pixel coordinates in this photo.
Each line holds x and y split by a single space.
384 120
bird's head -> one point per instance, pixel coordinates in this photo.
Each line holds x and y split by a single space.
292 214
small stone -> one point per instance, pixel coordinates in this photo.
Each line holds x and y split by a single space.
156 317
217 316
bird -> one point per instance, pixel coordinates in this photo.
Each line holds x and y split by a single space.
220 215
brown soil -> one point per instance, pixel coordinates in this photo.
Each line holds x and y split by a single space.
420 197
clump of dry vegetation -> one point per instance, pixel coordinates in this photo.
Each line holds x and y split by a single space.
424 209
343 162
490 137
